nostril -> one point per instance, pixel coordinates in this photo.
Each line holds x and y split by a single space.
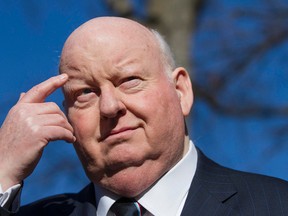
110 103
122 112
112 110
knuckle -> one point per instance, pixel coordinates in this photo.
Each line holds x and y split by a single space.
62 121
53 105
30 124
38 90
35 130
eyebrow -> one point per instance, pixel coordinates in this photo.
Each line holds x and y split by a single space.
67 89
69 86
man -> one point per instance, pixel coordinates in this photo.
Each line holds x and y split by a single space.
125 102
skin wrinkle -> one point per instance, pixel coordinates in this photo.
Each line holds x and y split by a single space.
122 59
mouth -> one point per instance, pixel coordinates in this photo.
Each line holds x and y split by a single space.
121 133
121 130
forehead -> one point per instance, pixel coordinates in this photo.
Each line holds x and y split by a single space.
118 34
119 45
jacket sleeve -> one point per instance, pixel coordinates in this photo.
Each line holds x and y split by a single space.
13 202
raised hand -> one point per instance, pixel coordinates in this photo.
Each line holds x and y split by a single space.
28 128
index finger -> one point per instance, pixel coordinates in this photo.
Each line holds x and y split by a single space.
40 92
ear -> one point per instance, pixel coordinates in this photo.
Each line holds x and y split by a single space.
184 89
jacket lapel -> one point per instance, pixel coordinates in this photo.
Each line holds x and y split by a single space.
212 191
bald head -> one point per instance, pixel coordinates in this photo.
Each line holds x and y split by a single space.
112 25
108 29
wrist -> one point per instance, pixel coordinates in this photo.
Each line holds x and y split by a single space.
6 183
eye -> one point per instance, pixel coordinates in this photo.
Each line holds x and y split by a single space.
130 82
130 78
86 91
85 95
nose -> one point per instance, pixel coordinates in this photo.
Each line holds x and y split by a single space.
110 104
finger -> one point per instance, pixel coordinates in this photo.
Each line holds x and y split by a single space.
31 109
59 133
52 120
40 92
47 108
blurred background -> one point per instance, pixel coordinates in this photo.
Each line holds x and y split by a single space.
236 52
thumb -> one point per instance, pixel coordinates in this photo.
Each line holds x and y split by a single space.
21 96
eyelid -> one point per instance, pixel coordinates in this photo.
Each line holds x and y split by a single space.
130 78
74 94
81 97
90 89
130 83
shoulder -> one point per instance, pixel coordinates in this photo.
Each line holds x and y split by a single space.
210 169
250 191
260 193
62 204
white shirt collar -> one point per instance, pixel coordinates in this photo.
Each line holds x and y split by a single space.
168 194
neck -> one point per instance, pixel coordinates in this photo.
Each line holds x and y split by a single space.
186 144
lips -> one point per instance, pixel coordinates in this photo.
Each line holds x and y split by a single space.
121 130
119 133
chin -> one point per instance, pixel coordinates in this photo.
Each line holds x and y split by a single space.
129 182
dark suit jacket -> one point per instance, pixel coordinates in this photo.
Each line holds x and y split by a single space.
215 190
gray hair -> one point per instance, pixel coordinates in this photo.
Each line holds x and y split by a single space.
167 55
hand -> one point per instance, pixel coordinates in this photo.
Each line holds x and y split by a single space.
28 128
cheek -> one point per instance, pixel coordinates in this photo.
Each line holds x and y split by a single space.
163 117
85 126
165 107
84 123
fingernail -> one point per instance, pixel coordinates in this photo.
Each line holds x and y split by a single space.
63 76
